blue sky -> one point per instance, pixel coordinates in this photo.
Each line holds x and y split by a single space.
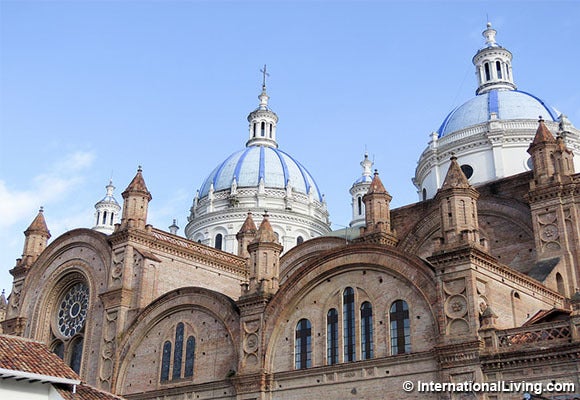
91 89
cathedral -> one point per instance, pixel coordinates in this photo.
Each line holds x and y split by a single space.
476 283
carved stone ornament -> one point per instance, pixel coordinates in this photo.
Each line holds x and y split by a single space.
251 343
549 233
456 306
455 286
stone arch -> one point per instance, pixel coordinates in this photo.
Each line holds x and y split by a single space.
376 263
167 309
81 255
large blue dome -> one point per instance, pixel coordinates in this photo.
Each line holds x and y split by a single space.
507 104
254 163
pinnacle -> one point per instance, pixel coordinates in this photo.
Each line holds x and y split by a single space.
38 225
376 185
543 134
265 233
455 177
137 185
249 225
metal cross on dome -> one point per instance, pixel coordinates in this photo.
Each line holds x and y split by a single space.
264 75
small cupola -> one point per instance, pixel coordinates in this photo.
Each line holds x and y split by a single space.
107 211
493 65
263 120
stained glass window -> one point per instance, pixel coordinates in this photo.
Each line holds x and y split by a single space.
366 318
177 357
189 356
349 325
58 349
165 361
400 328
332 337
303 347
76 355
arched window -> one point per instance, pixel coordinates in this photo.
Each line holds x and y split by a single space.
181 368
560 284
271 128
218 241
263 129
165 361
366 329
112 218
303 346
76 355
487 74
255 128
400 328
332 337
359 201
104 217
189 356
424 194
178 354
70 317
348 324
299 240
498 69
58 349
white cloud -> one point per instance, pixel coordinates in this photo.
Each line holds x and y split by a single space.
46 188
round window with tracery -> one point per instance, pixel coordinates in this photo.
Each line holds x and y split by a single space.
72 310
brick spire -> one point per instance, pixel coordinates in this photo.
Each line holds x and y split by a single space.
136 202
246 235
455 177
37 236
543 134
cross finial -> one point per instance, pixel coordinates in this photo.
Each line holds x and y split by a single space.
264 75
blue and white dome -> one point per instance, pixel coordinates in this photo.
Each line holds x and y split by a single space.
490 133
255 163
505 104
257 178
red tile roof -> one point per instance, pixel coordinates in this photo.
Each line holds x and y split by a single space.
28 356
85 392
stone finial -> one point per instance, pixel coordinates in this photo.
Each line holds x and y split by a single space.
488 318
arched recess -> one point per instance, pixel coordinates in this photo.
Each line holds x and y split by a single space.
500 220
378 274
506 224
210 317
81 256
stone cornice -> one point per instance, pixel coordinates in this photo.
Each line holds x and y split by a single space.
457 354
364 368
166 243
555 190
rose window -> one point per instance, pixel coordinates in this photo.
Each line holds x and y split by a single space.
72 311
